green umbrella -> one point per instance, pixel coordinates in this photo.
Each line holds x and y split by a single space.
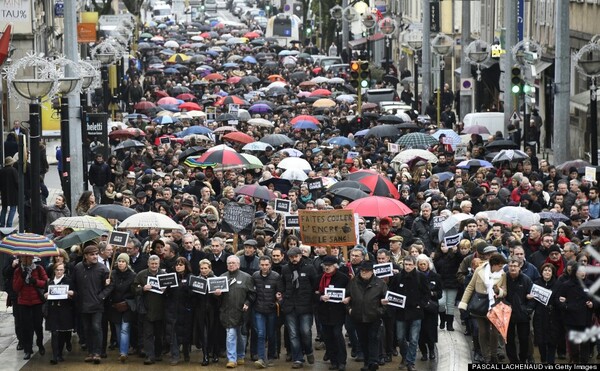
146 35
255 163
78 237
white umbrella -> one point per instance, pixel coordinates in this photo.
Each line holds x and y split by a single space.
510 155
182 116
451 225
337 80
294 163
410 154
347 98
220 147
149 220
196 114
82 222
257 146
261 123
277 84
320 80
243 115
515 214
404 116
453 138
294 174
171 44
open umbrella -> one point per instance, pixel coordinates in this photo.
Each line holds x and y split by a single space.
565 166
501 144
408 155
79 237
347 193
590 225
554 216
350 184
412 140
148 220
280 185
509 215
324 103
276 140
510 155
341 141
390 119
294 174
83 222
256 146
476 129
112 211
260 122
194 130
467 164
239 137
300 118
451 226
383 131
223 159
29 244
253 161
257 191
378 185
294 163
499 316
378 207
130 143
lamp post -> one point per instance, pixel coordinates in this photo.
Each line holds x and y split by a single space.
336 13
587 62
442 46
477 52
387 26
369 21
33 79
91 80
415 42
106 59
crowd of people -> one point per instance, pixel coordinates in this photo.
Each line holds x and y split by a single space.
276 294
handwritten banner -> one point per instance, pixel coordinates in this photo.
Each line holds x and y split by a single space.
327 227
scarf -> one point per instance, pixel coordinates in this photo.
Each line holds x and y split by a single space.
295 276
28 269
325 281
559 265
490 279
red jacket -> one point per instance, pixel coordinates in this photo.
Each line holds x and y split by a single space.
27 294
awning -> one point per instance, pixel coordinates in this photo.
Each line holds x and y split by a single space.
363 40
580 101
539 67
486 64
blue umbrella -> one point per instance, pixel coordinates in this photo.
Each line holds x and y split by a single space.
361 133
341 141
167 52
467 164
170 107
193 130
446 175
170 71
306 125
162 26
230 65
164 120
249 59
260 108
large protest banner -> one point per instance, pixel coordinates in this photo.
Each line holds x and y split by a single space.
327 227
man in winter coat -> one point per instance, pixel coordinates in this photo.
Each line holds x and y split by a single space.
518 287
413 285
99 175
154 306
268 287
299 284
365 299
234 304
9 183
92 287
423 227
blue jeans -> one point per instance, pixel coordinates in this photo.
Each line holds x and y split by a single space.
300 330
93 331
264 327
413 328
236 344
447 301
123 332
12 210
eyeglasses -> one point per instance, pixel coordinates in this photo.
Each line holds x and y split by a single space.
361 222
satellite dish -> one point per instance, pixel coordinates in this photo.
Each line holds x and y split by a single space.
350 14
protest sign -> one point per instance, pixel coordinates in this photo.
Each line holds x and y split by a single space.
335 295
198 284
327 227
395 300
238 218
383 270
211 114
291 222
314 184
393 148
153 281
117 238
438 220
590 174
167 280
541 294
451 241
218 283
283 206
58 292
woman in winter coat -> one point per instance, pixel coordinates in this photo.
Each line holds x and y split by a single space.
121 301
60 317
447 261
205 318
576 309
27 280
58 210
428 335
544 317
178 312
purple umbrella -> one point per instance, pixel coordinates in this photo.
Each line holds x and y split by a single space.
260 108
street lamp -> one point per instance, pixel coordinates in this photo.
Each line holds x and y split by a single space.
477 52
90 80
369 21
387 26
587 61
415 42
337 12
442 45
33 79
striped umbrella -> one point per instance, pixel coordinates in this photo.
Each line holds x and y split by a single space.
29 244
83 222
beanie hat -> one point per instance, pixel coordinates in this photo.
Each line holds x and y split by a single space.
124 257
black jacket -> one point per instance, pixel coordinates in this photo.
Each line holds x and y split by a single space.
516 294
266 288
423 229
545 317
194 258
140 263
298 296
446 265
122 282
99 174
333 313
414 286
90 288
574 312
365 299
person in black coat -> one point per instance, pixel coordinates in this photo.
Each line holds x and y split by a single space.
428 335
517 294
332 314
11 146
206 309
178 312
447 261
59 319
9 183
545 323
413 285
121 300
99 175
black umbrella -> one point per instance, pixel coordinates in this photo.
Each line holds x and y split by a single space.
299 76
249 80
384 131
227 117
391 79
276 140
408 125
79 237
130 143
501 144
390 119
191 152
349 193
179 90
281 185
277 91
349 184
112 212
282 108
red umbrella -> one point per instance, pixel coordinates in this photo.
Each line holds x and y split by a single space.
238 136
190 106
214 76
205 35
144 105
172 137
319 92
234 79
186 97
223 159
224 129
121 133
167 100
230 99
304 118
251 35
378 207
257 191
160 94
136 132
378 184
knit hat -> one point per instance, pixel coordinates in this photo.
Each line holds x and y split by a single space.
124 257
553 248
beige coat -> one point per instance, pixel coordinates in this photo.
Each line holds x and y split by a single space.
478 284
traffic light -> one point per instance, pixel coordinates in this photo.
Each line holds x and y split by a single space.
516 82
308 31
354 74
365 75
